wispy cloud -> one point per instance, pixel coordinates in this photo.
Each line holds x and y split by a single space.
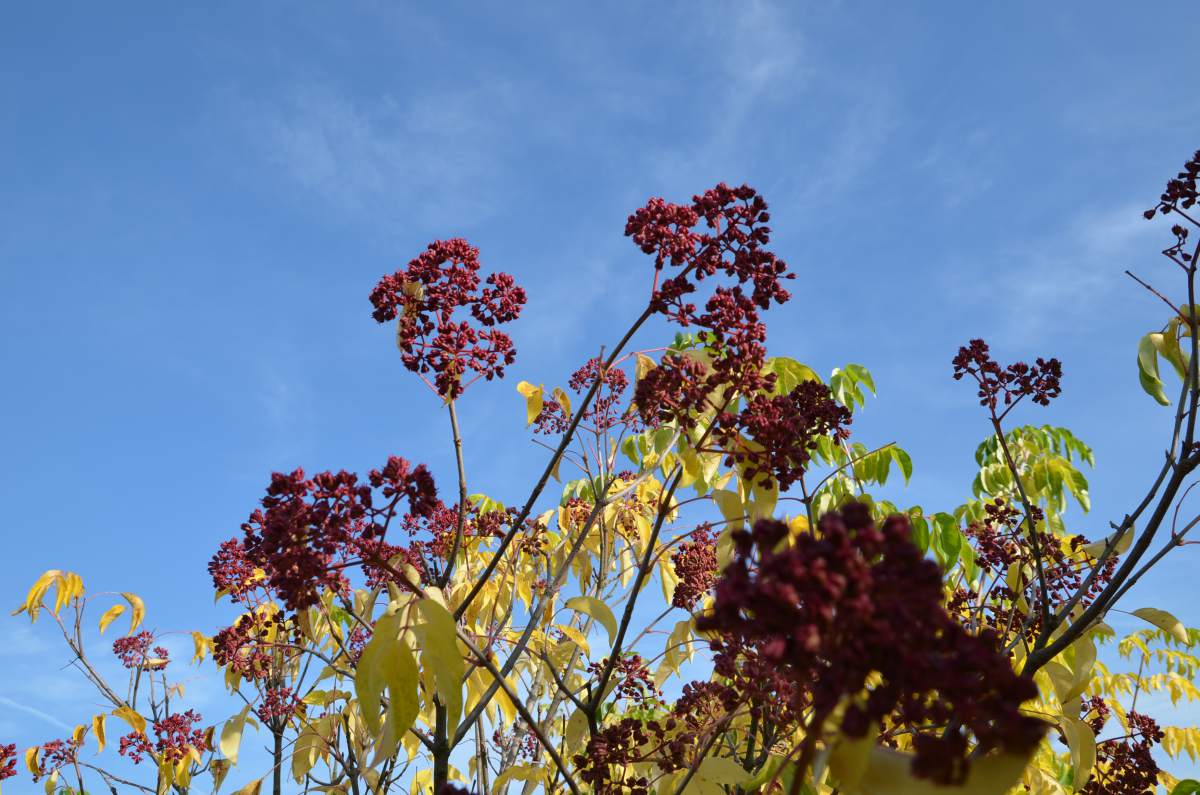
1029 290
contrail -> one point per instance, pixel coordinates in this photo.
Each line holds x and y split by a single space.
35 712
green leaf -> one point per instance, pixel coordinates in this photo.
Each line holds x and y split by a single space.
904 462
1188 786
440 651
590 605
789 374
949 537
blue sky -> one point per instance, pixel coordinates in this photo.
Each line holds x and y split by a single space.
195 202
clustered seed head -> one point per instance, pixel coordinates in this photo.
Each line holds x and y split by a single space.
1126 766
307 526
277 705
232 571
1180 192
634 681
603 413
8 761
851 600
426 297
134 652
608 763
175 736
782 431
254 643
56 755
1002 539
997 384
695 563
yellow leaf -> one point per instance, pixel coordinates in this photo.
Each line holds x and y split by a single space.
139 611
890 773
590 605
130 716
219 768
644 365
731 508
1082 742
98 730
231 735
1164 621
563 400
253 788
533 400
33 599
386 661
201 644
440 651
78 734
575 635
720 770
848 759
31 760
109 615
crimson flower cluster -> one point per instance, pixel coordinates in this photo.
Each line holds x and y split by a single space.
244 647
1000 540
603 413
695 563
308 529
1125 765
783 430
277 705
1009 385
854 599
607 765
134 652
174 738
634 681
8 761
56 755
1180 191
428 295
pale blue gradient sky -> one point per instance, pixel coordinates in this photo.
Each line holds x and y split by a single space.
195 202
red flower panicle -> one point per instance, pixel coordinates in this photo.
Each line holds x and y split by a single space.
56 755
829 609
1180 193
1125 766
308 527
135 652
695 564
433 336
174 738
8 761
1007 385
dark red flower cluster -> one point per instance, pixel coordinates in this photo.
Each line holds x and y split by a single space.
673 391
8 761
634 681
783 431
251 646
1125 765
732 241
695 565
174 738
426 297
1180 192
277 705
603 413
852 600
608 765
704 704
450 788
307 526
1041 382
134 652
232 571
56 755
1001 539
